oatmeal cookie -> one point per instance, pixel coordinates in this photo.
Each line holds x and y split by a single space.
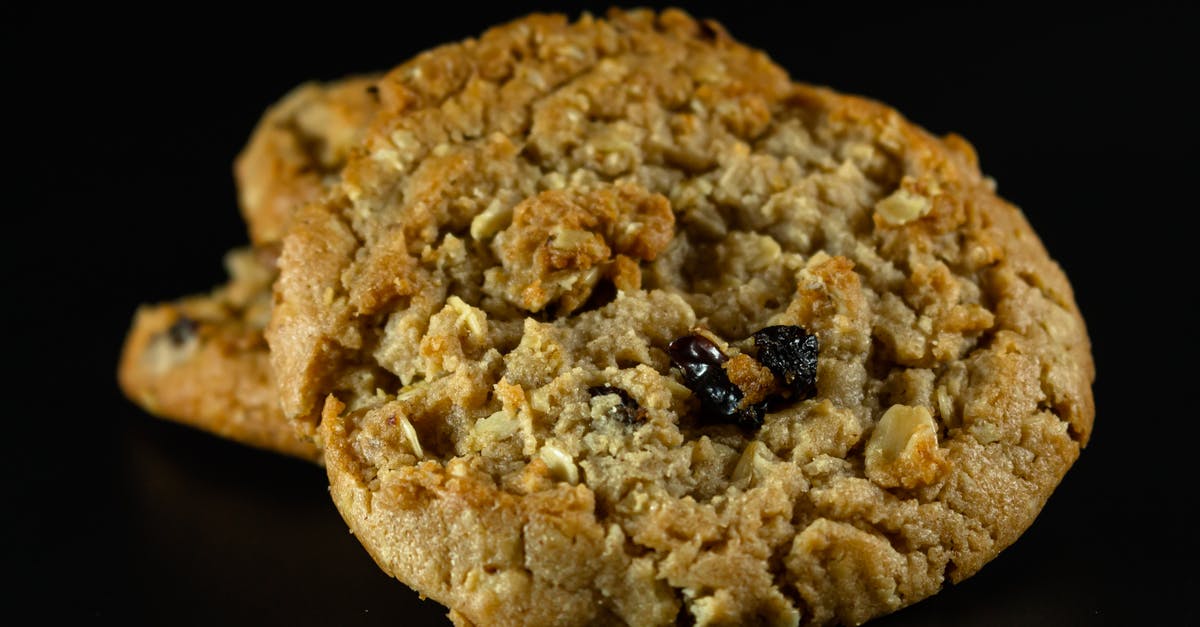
611 322
202 360
297 149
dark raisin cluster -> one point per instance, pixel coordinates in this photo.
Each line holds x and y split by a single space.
789 352
628 412
700 361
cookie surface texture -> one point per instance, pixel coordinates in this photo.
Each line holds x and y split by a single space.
202 360
478 324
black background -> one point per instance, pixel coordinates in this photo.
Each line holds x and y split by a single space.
124 126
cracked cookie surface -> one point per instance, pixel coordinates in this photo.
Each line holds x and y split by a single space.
475 327
202 360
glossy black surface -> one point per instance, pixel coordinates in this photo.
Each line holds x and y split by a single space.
123 126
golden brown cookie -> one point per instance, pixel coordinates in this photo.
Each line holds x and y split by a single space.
611 322
202 360
297 149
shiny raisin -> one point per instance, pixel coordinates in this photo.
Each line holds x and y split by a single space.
790 353
696 356
699 359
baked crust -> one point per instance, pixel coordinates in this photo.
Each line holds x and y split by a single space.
441 326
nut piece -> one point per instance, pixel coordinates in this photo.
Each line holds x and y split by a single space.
498 426
492 220
410 435
561 465
474 320
903 449
744 473
902 207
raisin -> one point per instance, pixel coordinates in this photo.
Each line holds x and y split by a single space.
790 353
699 359
628 412
695 355
183 330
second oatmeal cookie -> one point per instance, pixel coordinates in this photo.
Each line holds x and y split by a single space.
202 360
